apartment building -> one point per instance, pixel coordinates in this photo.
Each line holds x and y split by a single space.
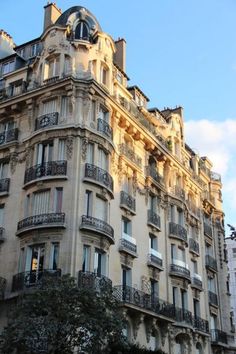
96 184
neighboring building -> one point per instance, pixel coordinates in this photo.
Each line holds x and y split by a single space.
94 182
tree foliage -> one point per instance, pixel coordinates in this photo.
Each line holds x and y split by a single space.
57 316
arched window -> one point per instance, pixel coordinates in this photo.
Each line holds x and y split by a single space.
82 31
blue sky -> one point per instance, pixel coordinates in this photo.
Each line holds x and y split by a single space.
180 52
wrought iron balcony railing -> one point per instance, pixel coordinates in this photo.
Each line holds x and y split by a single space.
46 169
26 280
51 80
213 298
2 234
178 192
180 271
154 260
211 262
98 226
129 295
46 220
3 284
4 185
127 201
207 229
183 315
46 120
99 175
193 246
218 336
94 281
200 324
128 246
154 219
8 136
130 154
152 172
104 128
177 231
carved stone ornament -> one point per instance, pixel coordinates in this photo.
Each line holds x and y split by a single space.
145 285
164 328
13 162
84 148
69 147
126 260
137 320
51 49
150 327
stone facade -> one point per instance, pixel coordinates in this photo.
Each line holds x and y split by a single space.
95 184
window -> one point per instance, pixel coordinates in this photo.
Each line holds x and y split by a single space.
153 242
88 203
99 262
196 308
58 199
180 217
49 107
126 277
184 299
127 185
102 159
22 52
35 260
101 209
213 323
104 75
234 252
44 153
153 203
1 214
175 296
211 285
119 77
103 114
86 258
52 67
41 202
172 213
64 106
126 227
34 49
61 150
173 252
8 67
8 126
54 256
154 288
82 31
3 170
90 154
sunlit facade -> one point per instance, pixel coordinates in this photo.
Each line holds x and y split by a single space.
96 184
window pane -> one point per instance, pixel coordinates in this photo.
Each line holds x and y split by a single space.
86 258
59 196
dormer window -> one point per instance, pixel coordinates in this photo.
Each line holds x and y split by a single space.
82 31
8 67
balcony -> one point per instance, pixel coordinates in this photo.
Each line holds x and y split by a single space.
4 185
3 284
154 220
211 263
193 209
51 80
2 235
140 299
200 324
183 316
180 269
178 231
178 192
46 120
26 280
218 337
50 169
49 220
94 281
104 128
152 172
128 245
97 226
155 259
8 136
127 202
193 246
98 175
196 281
207 229
130 154
213 298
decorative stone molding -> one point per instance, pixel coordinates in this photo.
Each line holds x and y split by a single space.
137 320
69 147
126 260
145 284
84 145
13 161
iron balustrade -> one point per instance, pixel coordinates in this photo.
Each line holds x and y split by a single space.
152 172
207 229
178 192
2 234
196 282
3 284
178 231
94 281
129 295
210 262
49 219
50 168
193 208
213 298
4 185
183 315
31 278
154 219
127 201
218 336
200 324
127 246
97 225
180 271
46 120
8 136
154 260
104 128
130 154
193 246
99 175
51 80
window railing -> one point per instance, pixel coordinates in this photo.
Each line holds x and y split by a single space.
94 281
154 258
179 270
154 219
127 201
178 192
207 229
126 245
4 185
152 172
99 175
8 136
51 80
2 234
197 280
31 278
104 128
218 336
178 231
213 298
200 324
130 154
46 120
183 315
211 262
98 226
49 219
50 169
193 246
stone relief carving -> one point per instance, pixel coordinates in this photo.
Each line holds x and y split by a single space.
13 162
136 323
84 148
69 147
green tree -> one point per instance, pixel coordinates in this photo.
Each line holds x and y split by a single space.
56 316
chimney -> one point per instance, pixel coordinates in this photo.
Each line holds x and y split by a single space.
51 14
120 55
6 44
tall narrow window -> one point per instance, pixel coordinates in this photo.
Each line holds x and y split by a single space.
101 209
58 199
154 288
3 170
44 153
64 106
54 256
126 277
61 150
172 213
153 242
90 153
175 296
184 299
86 258
88 203
104 75
52 68
99 262
103 114
126 227
27 205
173 252
41 203
102 159
196 308
82 31
1 214
49 107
